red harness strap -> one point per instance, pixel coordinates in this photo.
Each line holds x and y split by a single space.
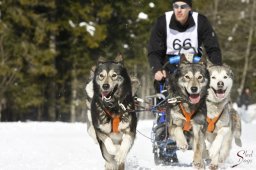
187 124
212 122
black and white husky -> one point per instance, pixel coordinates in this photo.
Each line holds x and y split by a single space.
224 123
188 116
112 110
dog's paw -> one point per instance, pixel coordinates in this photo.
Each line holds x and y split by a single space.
111 148
182 145
110 165
120 157
222 158
213 167
198 165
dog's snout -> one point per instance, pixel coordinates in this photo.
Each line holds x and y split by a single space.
194 89
105 86
220 84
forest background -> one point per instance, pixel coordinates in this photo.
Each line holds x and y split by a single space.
47 49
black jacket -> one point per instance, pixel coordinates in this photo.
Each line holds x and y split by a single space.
157 43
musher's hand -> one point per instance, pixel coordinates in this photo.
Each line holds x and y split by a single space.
159 75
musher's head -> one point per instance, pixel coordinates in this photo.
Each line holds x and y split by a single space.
181 10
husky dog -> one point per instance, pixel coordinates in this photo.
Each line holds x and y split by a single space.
89 94
223 121
112 111
188 116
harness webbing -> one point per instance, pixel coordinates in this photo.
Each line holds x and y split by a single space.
115 124
187 124
212 122
115 121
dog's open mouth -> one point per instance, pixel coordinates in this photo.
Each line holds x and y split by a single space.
108 93
194 98
220 93
105 94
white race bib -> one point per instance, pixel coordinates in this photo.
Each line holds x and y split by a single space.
175 39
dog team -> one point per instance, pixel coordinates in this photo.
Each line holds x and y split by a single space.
204 110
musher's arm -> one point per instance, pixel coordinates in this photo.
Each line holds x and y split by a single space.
157 45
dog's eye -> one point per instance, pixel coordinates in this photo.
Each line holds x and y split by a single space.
200 77
225 77
187 77
114 75
213 77
101 76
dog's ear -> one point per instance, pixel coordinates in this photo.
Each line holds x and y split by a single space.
183 59
92 71
209 64
203 61
119 59
229 71
101 60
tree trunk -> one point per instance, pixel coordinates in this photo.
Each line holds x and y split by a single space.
52 85
249 45
74 85
39 113
146 86
215 12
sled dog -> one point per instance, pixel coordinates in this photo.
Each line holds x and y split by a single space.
89 94
223 121
112 112
188 116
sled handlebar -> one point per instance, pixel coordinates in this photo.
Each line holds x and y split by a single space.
175 59
157 95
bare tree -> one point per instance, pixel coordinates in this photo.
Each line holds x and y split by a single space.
249 45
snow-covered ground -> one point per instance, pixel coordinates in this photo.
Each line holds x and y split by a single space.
67 146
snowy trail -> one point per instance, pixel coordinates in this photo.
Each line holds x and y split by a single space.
67 146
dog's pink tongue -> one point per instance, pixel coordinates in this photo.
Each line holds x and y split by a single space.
194 98
104 94
220 94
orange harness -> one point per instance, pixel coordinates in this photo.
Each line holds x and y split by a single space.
187 124
212 122
115 124
115 121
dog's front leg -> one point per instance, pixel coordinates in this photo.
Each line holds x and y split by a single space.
215 147
127 142
176 131
180 138
198 146
226 147
110 147
217 143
